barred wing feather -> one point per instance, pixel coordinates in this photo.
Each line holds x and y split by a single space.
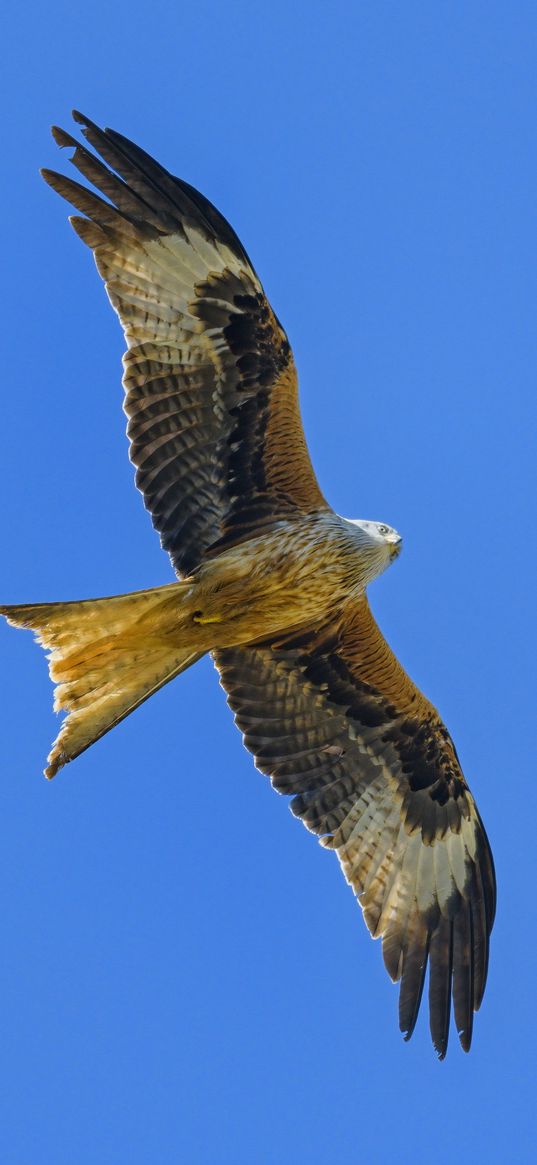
210 382
336 723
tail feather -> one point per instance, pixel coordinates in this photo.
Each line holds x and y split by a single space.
106 656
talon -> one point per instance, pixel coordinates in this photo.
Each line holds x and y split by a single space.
201 619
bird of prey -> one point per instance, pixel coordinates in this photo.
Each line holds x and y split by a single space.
271 581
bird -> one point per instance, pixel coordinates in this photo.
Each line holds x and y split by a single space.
269 580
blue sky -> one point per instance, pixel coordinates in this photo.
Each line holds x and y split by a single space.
185 975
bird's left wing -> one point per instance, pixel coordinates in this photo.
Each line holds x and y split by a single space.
334 720
210 381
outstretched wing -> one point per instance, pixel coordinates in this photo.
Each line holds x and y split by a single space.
211 388
334 720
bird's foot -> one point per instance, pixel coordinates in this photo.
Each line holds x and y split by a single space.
201 619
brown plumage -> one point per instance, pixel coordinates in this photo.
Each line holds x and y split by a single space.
272 581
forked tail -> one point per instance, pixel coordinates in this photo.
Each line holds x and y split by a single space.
106 656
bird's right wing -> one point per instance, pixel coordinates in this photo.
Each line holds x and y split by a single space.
211 386
334 721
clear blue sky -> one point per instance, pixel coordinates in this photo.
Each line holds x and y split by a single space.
185 975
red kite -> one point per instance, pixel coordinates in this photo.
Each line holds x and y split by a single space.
271 581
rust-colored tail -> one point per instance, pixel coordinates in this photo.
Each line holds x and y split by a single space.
106 656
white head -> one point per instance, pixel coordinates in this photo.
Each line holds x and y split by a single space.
379 546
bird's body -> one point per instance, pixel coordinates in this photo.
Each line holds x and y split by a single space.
271 581
298 574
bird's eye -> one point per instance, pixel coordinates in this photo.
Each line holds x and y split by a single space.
384 529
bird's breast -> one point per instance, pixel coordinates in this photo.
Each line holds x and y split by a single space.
292 575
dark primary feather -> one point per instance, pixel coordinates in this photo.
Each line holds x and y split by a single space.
336 723
211 390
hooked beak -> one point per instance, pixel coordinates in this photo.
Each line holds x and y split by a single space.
396 543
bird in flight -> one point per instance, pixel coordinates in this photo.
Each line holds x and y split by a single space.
271 581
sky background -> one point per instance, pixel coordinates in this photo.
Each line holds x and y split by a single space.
185 975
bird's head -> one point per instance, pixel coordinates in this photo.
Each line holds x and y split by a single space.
379 545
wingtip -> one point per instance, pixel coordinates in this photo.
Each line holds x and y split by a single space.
87 125
52 178
465 1040
407 1029
440 1047
61 137
440 1044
